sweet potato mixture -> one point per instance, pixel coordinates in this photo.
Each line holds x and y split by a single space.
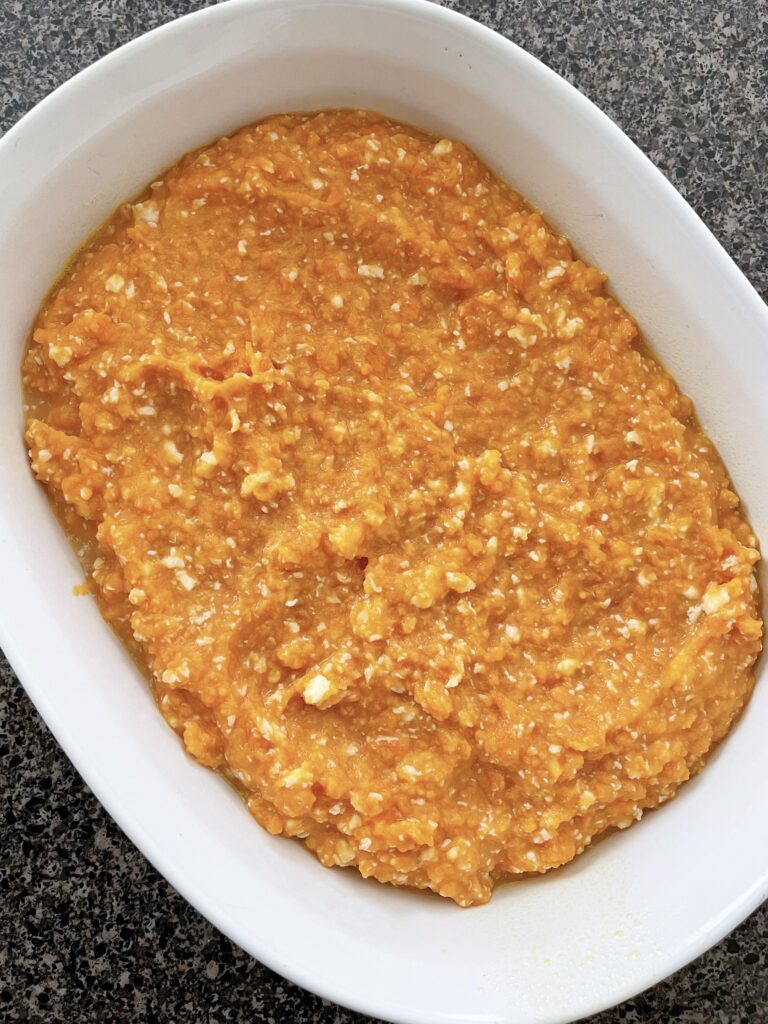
421 549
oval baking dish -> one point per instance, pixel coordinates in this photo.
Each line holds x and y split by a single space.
551 949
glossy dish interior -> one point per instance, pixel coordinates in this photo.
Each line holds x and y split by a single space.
551 950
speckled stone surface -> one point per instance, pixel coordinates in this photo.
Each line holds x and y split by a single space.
89 931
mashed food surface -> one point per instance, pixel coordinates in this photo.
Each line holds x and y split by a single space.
419 546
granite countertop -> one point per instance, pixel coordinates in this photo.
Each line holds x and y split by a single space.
89 931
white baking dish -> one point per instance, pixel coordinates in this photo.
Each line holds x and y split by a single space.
643 902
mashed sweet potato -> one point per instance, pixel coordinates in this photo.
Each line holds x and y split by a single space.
418 545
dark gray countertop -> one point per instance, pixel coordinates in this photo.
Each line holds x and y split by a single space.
89 931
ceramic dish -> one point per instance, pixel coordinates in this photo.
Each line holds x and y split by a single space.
642 903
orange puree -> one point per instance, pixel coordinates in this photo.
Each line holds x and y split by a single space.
419 546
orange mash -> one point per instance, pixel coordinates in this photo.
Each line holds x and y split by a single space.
419 547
